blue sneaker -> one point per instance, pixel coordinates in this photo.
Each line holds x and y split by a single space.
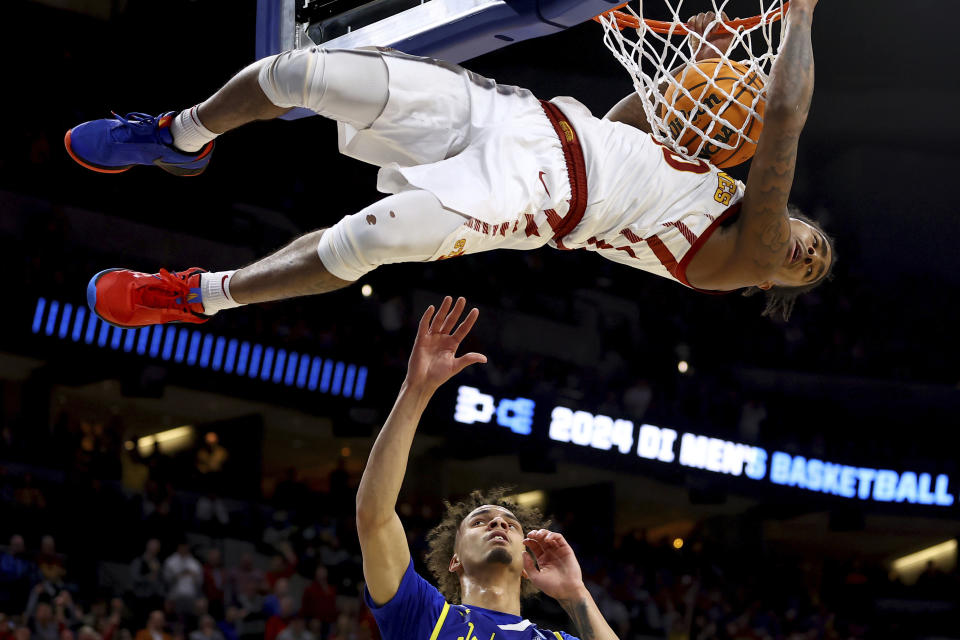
113 145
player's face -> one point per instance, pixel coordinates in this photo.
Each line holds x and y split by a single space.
490 535
807 258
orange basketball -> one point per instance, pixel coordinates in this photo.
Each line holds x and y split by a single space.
730 95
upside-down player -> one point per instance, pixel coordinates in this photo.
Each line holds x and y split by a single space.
477 554
475 166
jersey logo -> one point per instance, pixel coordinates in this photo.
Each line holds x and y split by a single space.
543 173
458 249
726 188
470 635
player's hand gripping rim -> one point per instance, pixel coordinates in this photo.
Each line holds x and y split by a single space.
714 43
434 359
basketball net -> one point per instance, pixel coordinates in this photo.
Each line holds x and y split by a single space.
653 51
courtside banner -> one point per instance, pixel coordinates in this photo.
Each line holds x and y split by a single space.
525 417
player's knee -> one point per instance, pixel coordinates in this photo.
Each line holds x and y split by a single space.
287 78
350 249
406 227
327 82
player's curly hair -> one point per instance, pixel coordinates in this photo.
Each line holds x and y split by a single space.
780 300
442 539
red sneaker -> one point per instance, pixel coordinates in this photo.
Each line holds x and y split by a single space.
126 298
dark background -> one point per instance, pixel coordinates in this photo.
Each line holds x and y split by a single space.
864 373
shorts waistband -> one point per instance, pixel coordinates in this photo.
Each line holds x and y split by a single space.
576 168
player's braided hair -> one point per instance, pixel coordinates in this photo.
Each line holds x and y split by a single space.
442 539
780 300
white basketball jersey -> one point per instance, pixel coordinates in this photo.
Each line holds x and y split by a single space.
647 207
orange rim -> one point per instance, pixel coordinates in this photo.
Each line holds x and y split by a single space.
626 21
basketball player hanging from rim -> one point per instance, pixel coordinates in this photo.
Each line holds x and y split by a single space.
475 166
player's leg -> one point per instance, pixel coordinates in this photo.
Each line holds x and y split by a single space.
407 227
317 79
325 81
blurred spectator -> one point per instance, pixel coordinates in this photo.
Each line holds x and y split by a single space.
246 580
154 630
88 633
159 517
65 612
50 563
146 578
207 630
211 515
278 533
282 565
296 630
42 622
279 622
212 455
345 628
214 581
17 573
28 495
319 604
184 577
332 554
230 625
271 603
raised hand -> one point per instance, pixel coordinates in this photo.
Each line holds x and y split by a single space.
556 572
434 359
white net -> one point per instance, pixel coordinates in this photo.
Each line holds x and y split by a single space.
712 109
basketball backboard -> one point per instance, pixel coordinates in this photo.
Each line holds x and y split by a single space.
453 30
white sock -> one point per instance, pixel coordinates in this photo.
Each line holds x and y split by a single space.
215 292
188 132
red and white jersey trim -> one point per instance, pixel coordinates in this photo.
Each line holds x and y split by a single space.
647 208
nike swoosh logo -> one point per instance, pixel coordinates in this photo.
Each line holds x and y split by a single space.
543 173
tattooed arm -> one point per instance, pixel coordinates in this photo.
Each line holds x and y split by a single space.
764 227
556 572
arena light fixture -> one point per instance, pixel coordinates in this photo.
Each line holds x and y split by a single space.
168 438
195 348
936 552
530 498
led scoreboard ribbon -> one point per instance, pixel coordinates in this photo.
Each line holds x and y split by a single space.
198 348
664 445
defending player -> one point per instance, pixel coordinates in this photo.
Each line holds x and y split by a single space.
475 166
477 553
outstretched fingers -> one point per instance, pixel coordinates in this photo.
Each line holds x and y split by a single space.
424 327
441 315
466 325
451 319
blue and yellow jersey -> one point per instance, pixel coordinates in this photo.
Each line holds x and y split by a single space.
419 612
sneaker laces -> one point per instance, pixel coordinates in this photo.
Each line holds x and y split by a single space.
173 293
135 118
142 124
